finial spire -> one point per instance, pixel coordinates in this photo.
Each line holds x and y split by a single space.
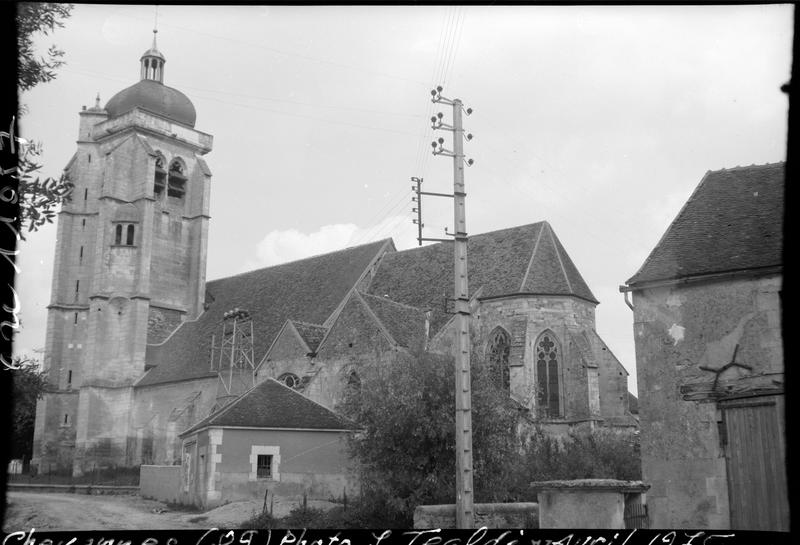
155 29
97 101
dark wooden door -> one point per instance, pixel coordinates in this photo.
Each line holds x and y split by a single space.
755 453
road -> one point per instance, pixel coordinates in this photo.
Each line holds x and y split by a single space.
51 512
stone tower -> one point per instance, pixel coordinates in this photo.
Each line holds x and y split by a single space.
129 266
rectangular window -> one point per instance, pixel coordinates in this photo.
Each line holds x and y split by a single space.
264 466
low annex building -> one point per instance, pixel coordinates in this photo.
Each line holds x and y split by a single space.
709 355
270 438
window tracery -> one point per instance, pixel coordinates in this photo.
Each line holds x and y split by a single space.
498 351
548 365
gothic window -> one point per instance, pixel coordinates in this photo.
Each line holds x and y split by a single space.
547 373
129 239
118 234
497 351
176 180
290 379
159 180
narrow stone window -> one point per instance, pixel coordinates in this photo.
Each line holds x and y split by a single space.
66 419
90 157
76 319
84 223
176 180
80 256
498 351
548 367
129 240
118 235
85 194
264 466
77 288
69 378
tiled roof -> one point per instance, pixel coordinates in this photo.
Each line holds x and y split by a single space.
732 221
526 259
405 324
312 334
308 290
271 404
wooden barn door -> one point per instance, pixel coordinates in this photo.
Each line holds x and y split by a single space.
754 442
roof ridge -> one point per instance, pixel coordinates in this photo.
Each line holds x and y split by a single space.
485 233
533 255
560 259
377 319
750 166
382 241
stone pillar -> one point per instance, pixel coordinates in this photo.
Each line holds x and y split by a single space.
584 503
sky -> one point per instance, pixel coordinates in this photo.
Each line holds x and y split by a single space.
600 120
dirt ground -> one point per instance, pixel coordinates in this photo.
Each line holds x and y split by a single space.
26 510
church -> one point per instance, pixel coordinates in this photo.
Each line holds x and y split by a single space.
143 353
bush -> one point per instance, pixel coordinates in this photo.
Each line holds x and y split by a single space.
406 451
583 454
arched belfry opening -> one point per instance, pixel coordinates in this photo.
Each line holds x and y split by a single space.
176 179
498 350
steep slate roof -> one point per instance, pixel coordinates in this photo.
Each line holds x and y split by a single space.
526 259
732 221
308 290
271 404
312 334
405 324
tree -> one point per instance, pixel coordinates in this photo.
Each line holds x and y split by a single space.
35 18
406 449
37 198
29 385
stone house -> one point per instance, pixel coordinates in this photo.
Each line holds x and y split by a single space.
709 355
137 347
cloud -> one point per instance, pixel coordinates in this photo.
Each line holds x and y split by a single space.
285 245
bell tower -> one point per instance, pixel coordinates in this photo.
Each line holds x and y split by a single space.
129 267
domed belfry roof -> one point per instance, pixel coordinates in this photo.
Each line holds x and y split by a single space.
151 94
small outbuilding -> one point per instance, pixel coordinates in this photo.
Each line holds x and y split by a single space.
270 438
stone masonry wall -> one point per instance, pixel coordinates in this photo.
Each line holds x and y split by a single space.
677 330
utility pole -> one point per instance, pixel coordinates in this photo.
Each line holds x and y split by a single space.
465 515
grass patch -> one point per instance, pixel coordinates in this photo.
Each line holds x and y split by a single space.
357 516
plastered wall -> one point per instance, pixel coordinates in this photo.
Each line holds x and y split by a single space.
678 330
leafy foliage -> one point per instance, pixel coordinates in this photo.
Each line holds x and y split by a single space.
32 18
406 451
30 385
600 453
38 198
